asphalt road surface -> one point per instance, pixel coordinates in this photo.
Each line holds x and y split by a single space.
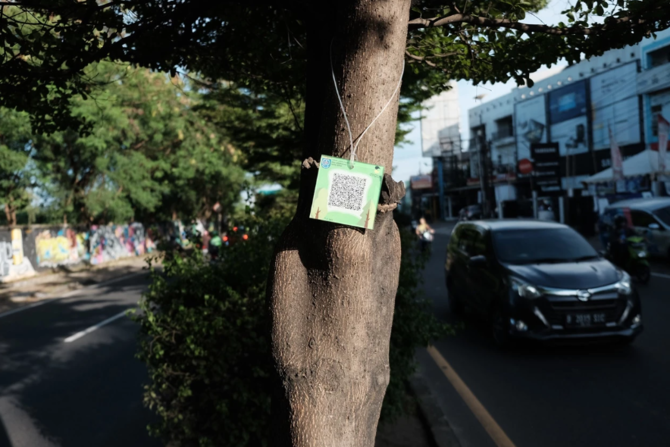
554 397
68 376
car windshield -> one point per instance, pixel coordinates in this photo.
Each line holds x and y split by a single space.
664 215
541 246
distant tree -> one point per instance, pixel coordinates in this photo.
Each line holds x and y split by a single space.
16 175
146 154
331 288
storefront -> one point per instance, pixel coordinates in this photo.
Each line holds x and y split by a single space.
642 178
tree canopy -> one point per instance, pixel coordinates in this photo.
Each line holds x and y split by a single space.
147 153
261 45
16 177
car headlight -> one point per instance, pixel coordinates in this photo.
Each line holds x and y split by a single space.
525 290
624 286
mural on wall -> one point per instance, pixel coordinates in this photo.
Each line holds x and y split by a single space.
62 248
5 258
100 244
13 263
118 241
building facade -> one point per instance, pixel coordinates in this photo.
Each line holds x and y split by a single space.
441 140
573 111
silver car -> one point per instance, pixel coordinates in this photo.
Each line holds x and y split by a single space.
651 219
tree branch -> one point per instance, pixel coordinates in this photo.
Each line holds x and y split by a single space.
423 60
525 27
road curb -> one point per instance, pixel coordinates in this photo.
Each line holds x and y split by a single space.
82 266
48 298
438 425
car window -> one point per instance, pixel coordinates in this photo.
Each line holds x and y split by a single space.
471 241
642 218
541 245
477 245
459 237
465 240
663 214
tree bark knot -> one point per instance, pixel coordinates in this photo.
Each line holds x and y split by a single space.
309 162
391 194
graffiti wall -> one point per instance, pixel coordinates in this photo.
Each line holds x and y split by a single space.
118 241
49 247
60 247
13 263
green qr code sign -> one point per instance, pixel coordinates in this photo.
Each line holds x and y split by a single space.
347 195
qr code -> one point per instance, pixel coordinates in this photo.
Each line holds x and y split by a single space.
347 192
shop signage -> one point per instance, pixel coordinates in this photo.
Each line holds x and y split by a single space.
547 168
525 166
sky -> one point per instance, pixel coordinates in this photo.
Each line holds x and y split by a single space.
407 160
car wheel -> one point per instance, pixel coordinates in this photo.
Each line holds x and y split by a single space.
500 328
455 302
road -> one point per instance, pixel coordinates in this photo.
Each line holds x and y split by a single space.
555 397
67 379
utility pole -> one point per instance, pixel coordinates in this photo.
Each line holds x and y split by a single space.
483 172
440 185
447 148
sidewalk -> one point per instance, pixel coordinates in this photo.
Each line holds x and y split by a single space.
410 430
55 282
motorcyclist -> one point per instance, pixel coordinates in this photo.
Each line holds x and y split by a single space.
215 245
425 234
618 240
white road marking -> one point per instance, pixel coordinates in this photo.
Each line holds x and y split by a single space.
30 306
661 275
20 426
78 335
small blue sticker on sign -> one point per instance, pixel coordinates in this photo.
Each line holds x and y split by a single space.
325 163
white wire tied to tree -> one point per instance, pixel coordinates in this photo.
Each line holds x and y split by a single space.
352 147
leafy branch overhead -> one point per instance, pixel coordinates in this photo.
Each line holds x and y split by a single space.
46 45
487 41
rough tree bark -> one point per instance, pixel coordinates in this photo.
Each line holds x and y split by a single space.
332 288
10 214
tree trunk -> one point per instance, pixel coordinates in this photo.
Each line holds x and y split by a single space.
332 287
10 214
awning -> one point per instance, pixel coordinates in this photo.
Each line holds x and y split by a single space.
644 163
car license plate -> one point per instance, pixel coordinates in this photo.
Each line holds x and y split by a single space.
585 320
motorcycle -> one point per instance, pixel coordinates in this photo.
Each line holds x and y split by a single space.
636 263
215 247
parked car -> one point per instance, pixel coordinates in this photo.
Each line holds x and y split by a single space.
650 218
470 212
539 280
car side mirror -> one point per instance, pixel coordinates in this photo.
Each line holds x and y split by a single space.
654 226
477 261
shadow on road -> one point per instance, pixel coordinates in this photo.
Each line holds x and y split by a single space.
85 393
